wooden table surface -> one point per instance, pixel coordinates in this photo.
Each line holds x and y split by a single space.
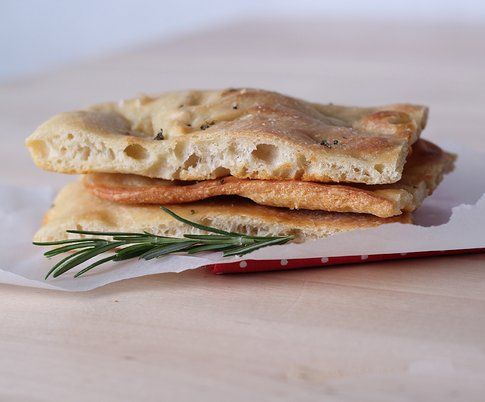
407 330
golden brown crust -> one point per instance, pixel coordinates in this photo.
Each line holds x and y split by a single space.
245 133
422 174
75 208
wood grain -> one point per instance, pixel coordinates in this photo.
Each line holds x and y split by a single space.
406 330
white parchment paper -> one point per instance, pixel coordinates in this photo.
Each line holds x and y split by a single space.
453 218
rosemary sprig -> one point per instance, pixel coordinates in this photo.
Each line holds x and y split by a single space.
146 246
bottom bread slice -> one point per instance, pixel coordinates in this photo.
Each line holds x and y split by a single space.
77 208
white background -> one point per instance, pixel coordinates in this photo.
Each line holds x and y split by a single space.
38 35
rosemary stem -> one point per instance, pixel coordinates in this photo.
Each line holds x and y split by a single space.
129 245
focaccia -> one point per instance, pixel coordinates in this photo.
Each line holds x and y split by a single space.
76 208
422 174
244 133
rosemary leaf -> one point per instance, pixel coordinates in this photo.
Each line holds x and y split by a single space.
132 251
98 233
58 242
253 247
163 250
83 256
70 247
63 261
94 265
209 247
197 225
209 237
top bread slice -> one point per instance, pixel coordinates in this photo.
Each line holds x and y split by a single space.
245 133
